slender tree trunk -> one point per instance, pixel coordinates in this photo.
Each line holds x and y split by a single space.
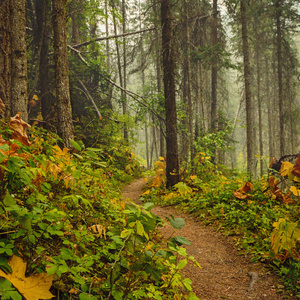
270 113
214 69
5 58
124 68
259 101
172 166
18 58
42 8
107 34
248 94
189 83
278 7
147 145
64 109
159 79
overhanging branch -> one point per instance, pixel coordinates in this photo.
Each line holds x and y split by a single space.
112 37
133 95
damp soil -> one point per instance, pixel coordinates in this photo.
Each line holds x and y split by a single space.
225 273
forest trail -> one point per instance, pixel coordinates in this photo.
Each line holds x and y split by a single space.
225 274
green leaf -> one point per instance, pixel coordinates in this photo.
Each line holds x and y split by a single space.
182 264
148 206
75 145
4 147
9 200
76 174
51 269
25 221
85 296
180 240
178 223
140 228
117 295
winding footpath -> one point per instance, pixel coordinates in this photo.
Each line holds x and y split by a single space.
224 274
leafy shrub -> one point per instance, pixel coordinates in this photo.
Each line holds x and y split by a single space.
62 218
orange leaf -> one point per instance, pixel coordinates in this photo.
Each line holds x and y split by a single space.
296 168
273 182
241 196
34 287
248 186
19 129
287 199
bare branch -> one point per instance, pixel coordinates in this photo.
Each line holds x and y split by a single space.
112 37
133 95
90 98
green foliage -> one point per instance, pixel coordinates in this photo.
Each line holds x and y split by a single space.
62 213
262 220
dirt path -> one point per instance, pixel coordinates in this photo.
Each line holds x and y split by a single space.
224 273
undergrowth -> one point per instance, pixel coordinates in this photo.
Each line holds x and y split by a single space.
261 218
64 225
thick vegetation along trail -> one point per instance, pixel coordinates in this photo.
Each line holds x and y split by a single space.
224 273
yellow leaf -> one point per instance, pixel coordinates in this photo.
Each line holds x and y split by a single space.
286 168
160 164
295 191
193 177
34 287
146 193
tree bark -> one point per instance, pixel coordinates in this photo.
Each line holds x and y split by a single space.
18 58
248 94
124 68
64 109
278 8
172 165
5 58
214 68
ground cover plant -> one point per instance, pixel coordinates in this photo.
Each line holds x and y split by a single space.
65 232
261 216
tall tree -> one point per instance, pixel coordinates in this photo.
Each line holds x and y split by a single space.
5 55
64 110
248 93
214 68
172 166
278 9
18 58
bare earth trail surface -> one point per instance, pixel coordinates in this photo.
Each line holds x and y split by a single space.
224 273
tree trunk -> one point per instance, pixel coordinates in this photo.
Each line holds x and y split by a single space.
248 94
259 101
188 84
18 58
269 104
124 69
172 166
214 69
42 8
279 74
5 58
64 109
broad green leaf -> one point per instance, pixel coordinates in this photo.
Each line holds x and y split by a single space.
75 145
178 223
182 264
148 206
182 188
85 296
9 200
180 240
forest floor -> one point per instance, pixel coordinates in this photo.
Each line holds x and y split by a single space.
225 274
